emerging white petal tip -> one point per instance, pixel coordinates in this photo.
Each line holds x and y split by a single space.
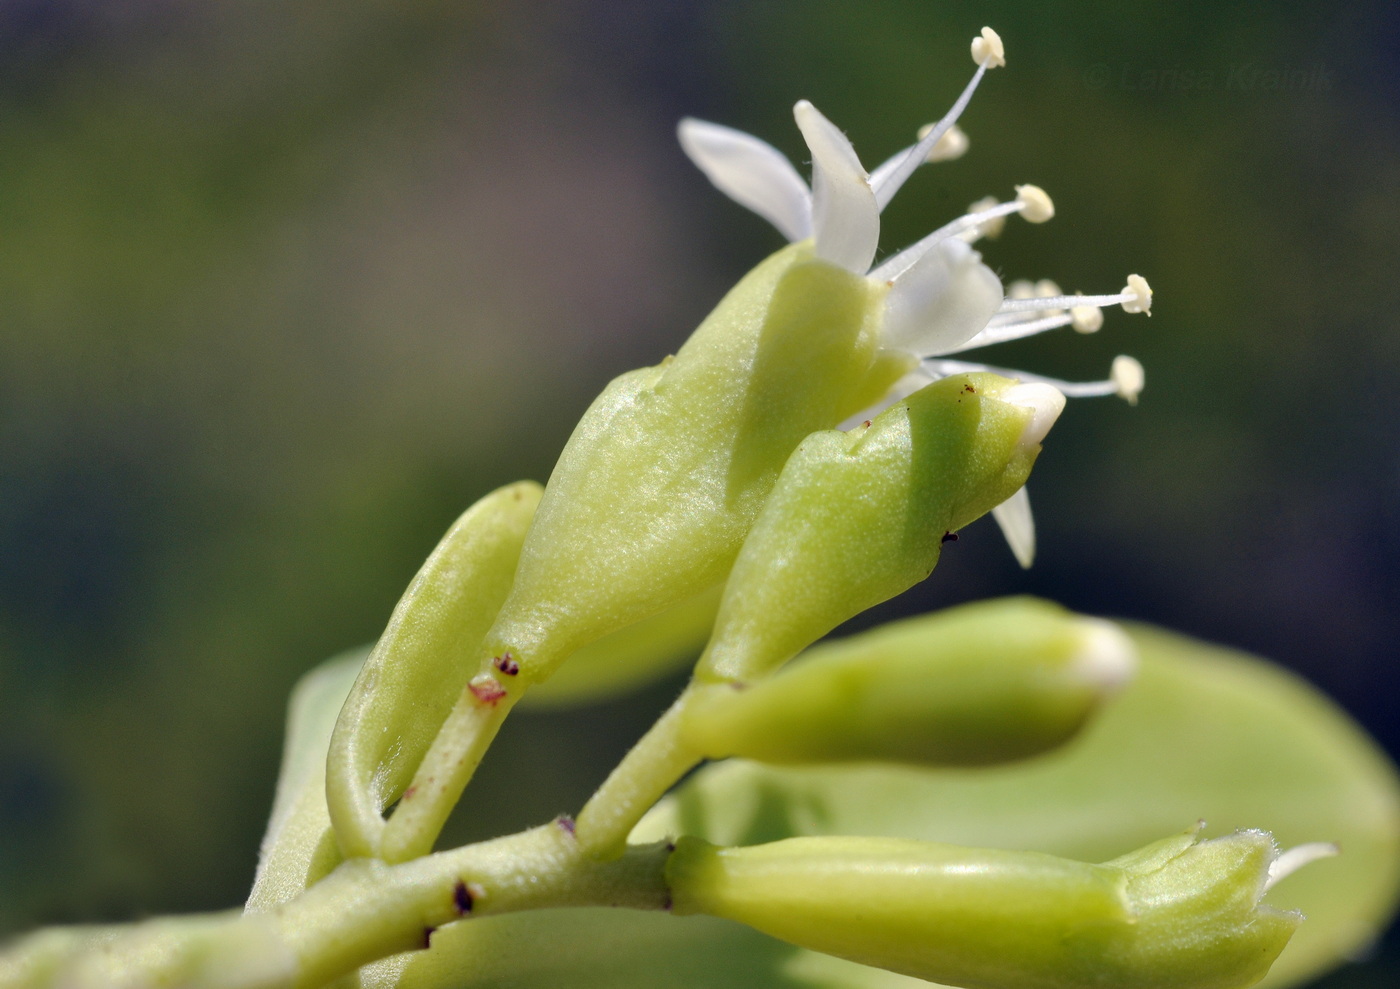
953 144
1107 659
1036 206
1046 402
1128 378
1086 319
1138 295
988 50
1013 516
1296 857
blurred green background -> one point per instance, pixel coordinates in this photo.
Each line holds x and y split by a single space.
284 287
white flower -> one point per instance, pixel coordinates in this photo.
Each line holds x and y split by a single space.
942 299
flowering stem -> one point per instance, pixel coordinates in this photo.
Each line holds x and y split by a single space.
443 774
655 763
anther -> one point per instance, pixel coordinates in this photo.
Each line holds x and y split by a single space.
1086 319
1127 377
1036 206
1137 295
988 50
990 227
953 144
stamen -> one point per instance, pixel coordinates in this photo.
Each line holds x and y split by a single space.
1130 299
1013 330
991 228
1125 380
993 54
905 259
953 144
1297 857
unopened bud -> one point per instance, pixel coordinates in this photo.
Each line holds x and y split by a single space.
984 683
1179 914
858 517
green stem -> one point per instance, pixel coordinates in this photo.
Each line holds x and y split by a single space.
367 910
443 775
655 763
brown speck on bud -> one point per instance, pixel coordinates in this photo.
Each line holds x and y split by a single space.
409 793
867 424
507 664
462 898
486 690
566 824
949 537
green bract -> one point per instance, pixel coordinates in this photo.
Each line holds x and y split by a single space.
983 683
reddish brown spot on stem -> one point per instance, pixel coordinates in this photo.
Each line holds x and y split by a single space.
487 691
566 824
950 537
969 388
409 792
507 665
867 424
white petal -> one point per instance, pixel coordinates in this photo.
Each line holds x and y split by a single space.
751 172
942 301
1018 526
845 218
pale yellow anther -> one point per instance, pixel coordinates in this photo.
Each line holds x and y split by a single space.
1021 288
953 143
1086 319
1048 289
988 50
1036 206
991 227
1139 295
1127 377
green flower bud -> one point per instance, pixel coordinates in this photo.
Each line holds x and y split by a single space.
857 517
663 476
984 683
421 663
1179 914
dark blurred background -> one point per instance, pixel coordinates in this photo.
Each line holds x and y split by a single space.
284 287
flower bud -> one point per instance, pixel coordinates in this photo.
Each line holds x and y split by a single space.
418 668
1179 914
984 683
857 517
